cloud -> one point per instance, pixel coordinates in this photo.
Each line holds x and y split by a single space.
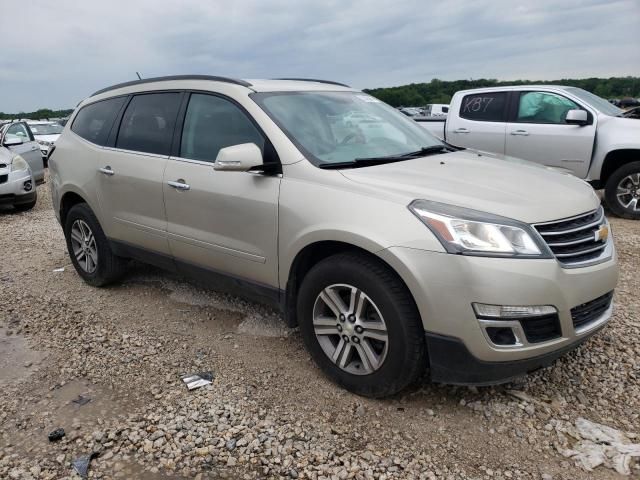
71 49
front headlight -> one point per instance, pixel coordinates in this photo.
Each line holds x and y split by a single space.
45 143
471 232
18 163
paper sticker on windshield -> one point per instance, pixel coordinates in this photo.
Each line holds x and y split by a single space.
368 98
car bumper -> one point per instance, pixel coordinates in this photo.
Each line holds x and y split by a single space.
451 362
15 189
445 286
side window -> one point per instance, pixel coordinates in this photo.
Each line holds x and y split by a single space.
94 122
212 123
543 107
486 107
147 123
18 130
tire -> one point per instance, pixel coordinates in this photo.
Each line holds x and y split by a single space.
103 267
627 178
386 298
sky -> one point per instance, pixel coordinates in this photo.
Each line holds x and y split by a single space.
55 53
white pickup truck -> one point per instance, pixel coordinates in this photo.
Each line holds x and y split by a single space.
566 128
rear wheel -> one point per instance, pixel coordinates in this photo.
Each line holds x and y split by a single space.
89 248
361 326
622 191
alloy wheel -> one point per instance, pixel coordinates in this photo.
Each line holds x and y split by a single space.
628 192
83 244
350 329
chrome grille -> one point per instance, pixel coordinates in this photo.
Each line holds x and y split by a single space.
575 240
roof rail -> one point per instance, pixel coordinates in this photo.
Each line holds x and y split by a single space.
173 77
314 80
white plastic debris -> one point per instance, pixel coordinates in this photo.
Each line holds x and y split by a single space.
599 445
197 380
58 270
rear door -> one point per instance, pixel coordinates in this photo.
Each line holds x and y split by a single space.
221 221
480 122
538 132
28 149
131 171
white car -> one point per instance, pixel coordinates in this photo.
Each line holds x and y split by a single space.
46 134
566 128
17 185
18 137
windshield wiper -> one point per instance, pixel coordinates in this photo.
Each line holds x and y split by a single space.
364 162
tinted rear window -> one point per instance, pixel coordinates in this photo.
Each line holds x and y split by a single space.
148 122
489 107
94 121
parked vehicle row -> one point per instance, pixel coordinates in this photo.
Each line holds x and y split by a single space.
429 110
392 250
566 128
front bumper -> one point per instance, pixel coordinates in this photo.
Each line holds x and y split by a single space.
451 362
13 191
444 287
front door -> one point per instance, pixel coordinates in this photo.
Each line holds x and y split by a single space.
539 133
130 174
226 222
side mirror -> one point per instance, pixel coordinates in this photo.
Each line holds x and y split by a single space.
576 117
10 142
238 158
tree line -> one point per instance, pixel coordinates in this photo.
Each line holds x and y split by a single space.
441 91
42 114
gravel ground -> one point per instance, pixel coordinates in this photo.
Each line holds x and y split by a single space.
269 412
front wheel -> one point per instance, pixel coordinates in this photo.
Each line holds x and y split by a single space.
622 191
361 325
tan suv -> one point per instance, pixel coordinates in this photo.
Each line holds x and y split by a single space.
391 250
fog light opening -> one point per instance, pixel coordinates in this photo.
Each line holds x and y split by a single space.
28 186
501 335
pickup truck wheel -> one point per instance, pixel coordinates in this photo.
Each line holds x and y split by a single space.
622 191
361 325
89 248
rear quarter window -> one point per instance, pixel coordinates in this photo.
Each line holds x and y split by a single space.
486 107
93 122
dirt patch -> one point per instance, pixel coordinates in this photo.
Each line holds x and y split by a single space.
269 413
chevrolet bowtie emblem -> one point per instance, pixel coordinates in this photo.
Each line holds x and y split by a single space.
602 233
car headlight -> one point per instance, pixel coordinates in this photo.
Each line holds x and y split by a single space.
470 232
18 163
45 143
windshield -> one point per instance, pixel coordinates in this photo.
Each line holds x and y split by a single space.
339 127
46 129
595 101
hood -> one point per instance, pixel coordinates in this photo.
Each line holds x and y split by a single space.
6 155
47 138
490 183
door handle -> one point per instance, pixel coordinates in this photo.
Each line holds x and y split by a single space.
106 170
179 185
523 133
461 130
